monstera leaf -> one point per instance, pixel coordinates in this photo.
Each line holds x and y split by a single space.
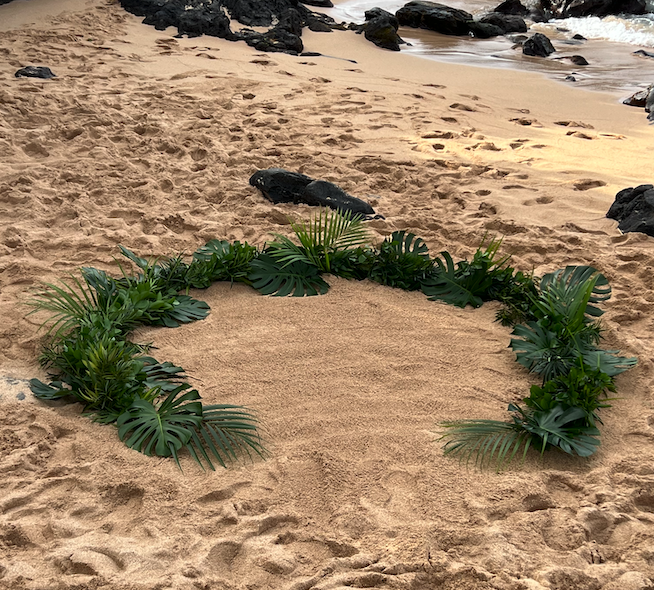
567 287
561 427
161 429
403 261
298 279
450 288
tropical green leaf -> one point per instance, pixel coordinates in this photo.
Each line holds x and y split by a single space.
54 391
541 351
402 261
161 429
564 428
298 279
447 287
184 311
563 282
225 432
485 441
219 260
329 232
608 362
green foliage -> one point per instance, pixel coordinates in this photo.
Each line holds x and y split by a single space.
485 440
96 366
560 427
355 263
219 260
485 278
270 277
218 432
92 361
402 261
455 288
321 240
582 387
564 331
161 429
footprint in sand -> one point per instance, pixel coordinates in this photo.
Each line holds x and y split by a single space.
587 183
526 121
574 124
579 135
463 107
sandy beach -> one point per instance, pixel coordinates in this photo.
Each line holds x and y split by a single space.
148 141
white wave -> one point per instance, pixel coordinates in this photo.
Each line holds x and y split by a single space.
634 31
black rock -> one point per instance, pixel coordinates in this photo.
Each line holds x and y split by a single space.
639 99
484 30
570 78
422 14
644 53
509 23
381 29
512 7
633 208
319 3
538 45
325 194
286 19
383 34
579 37
578 60
282 186
35 72
579 8
381 13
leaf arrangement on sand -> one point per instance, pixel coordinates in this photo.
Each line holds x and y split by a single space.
92 361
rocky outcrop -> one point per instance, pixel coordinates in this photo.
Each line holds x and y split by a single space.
286 19
35 72
508 23
643 99
421 14
282 186
572 8
538 45
381 29
633 208
512 7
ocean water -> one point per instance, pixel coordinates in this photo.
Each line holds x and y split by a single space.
609 47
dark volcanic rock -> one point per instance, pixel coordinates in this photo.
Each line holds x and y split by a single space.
643 98
421 14
199 17
577 8
35 72
381 29
282 186
320 3
509 23
633 208
325 194
484 30
512 7
538 45
643 53
578 60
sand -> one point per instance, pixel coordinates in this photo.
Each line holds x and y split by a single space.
149 141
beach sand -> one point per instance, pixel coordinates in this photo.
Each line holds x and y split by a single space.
149 141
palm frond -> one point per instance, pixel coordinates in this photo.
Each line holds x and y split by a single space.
68 304
484 441
328 232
